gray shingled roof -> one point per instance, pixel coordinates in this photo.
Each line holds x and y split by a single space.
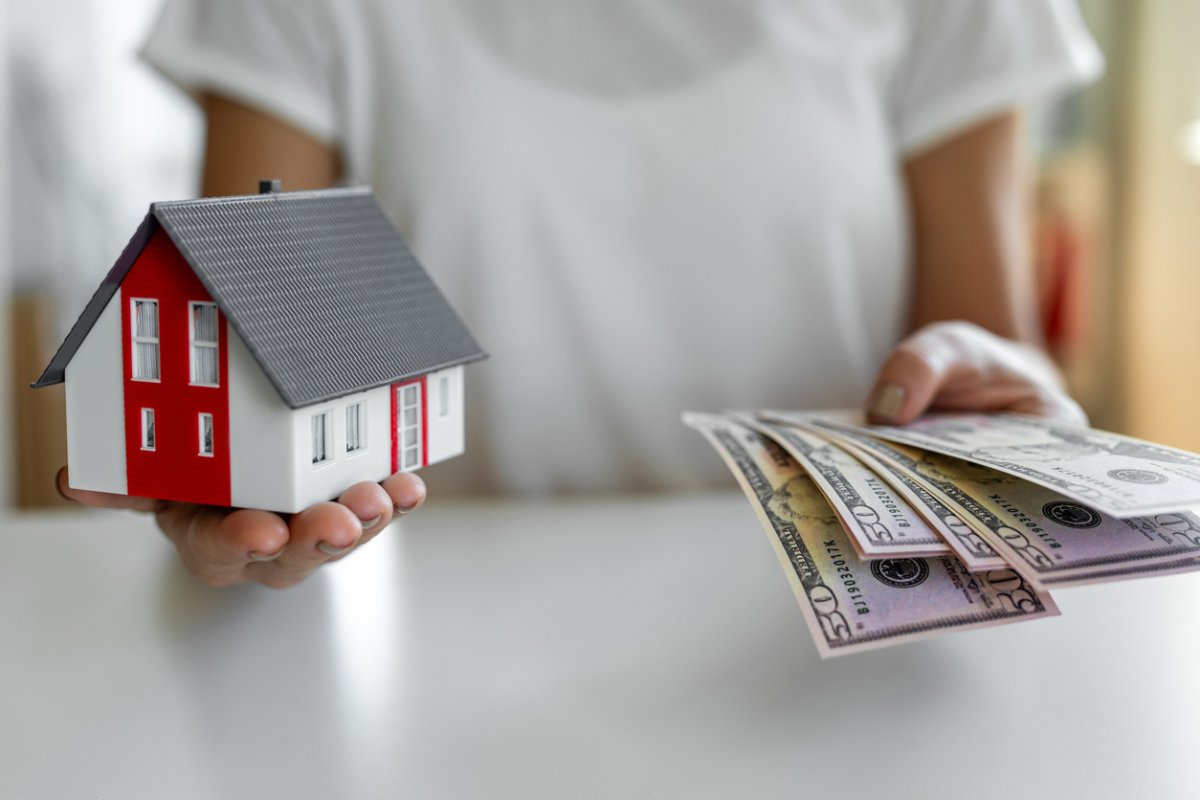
320 286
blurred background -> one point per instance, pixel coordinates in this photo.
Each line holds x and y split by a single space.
90 136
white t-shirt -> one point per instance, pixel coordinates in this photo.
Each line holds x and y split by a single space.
639 206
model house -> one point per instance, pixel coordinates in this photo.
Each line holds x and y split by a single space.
265 351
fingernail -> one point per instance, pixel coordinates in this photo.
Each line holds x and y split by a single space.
266 556
330 550
402 510
888 401
371 523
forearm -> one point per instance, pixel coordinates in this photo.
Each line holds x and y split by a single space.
970 243
243 145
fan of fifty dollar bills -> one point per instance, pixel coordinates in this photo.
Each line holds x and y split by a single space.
957 521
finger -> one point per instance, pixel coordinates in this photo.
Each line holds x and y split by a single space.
236 538
958 366
371 504
102 499
910 378
318 533
406 490
1054 405
995 392
216 544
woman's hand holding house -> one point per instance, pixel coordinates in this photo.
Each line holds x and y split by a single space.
239 356
226 546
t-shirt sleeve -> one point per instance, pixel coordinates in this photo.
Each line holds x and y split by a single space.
276 55
968 59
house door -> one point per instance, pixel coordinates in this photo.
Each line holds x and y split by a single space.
409 403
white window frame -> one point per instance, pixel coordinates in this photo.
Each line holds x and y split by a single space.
326 441
402 428
212 435
443 396
149 431
155 340
361 409
194 345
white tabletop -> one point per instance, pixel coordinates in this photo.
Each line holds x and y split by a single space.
610 649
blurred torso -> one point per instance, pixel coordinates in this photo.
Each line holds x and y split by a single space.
639 207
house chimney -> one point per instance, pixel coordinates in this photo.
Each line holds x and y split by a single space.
272 186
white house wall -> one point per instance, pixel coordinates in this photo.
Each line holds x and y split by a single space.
445 431
271 445
261 448
96 406
316 483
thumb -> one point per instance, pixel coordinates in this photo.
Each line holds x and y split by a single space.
909 380
103 499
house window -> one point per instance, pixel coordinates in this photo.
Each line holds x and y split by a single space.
409 427
206 434
203 338
355 428
147 428
443 396
320 439
145 340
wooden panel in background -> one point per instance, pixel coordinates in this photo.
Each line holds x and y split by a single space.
1161 276
40 440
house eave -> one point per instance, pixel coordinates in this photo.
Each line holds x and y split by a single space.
56 370
310 402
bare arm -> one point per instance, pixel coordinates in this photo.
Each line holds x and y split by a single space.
970 232
243 145
976 341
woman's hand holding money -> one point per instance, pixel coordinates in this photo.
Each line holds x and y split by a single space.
958 366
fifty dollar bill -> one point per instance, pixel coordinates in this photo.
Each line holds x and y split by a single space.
880 522
1052 539
850 604
1119 475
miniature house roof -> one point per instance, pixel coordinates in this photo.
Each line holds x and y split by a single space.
319 285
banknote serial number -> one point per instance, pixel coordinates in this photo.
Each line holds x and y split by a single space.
845 574
884 495
1028 522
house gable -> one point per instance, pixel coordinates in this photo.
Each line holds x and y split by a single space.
56 370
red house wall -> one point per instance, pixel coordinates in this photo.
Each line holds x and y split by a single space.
175 470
